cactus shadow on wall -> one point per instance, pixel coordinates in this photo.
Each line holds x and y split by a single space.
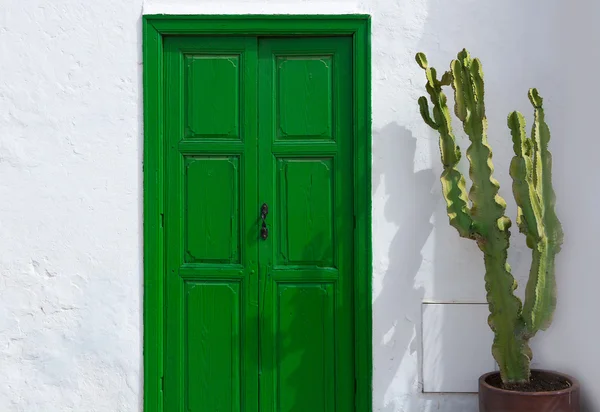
409 205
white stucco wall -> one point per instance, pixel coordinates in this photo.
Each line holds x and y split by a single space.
71 198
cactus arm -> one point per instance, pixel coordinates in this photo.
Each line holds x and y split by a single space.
459 93
454 191
543 167
446 79
529 213
510 347
540 292
454 187
424 109
453 182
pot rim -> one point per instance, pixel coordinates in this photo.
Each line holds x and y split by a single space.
574 385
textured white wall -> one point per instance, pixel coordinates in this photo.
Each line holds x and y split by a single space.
70 206
70 188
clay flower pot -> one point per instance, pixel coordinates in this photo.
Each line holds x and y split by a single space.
493 399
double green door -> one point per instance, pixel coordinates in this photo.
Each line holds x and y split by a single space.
259 225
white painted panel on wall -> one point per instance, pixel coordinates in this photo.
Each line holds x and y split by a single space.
457 344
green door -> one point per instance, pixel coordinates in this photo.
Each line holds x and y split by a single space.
259 225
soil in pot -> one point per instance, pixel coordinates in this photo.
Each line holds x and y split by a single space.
540 381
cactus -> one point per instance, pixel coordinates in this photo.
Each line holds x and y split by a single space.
480 214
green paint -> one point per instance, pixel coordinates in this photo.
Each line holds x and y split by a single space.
299 180
216 76
153 218
304 86
210 211
481 215
305 371
246 324
213 343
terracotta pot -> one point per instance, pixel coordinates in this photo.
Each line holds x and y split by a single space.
492 399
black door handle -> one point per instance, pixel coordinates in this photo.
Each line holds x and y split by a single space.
264 231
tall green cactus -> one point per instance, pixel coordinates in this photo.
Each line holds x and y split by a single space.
480 215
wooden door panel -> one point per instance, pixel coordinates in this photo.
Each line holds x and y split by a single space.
212 95
213 344
211 225
212 209
305 196
304 91
305 346
306 264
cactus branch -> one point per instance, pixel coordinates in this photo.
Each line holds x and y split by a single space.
446 79
540 293
424 108
491 223
521 171
453 182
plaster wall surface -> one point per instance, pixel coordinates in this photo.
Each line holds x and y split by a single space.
71 198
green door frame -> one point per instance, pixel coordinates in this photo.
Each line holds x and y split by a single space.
155 28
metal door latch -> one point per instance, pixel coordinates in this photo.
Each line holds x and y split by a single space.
264 231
